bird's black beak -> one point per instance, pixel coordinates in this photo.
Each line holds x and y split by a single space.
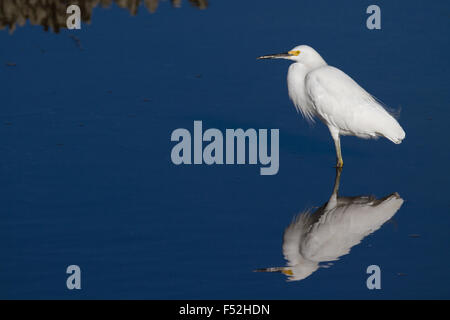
276 56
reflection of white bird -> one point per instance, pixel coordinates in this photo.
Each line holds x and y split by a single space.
319 90
332 230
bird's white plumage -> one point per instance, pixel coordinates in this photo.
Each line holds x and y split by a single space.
319 90
341 103
297 91
322 91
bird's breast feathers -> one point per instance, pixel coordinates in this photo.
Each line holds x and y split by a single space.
297 91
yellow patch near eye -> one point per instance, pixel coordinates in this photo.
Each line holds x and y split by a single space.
294 52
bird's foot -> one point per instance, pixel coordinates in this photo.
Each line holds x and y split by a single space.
339 164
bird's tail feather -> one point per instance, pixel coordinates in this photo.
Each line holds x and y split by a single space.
395 133
392 130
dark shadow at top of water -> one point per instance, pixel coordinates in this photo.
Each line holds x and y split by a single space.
52 14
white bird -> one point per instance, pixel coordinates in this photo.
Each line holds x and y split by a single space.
322 91
332 230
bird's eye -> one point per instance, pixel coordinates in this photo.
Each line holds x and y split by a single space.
294 52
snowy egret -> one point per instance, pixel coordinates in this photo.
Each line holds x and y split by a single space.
322 91
332 230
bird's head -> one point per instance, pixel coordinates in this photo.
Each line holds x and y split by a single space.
303 54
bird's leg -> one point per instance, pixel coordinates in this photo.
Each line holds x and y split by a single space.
332 202
337 143
337 180
340 162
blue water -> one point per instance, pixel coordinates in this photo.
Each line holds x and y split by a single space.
87 178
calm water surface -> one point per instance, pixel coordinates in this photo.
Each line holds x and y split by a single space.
85 125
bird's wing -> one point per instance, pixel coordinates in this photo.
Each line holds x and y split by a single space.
339 101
